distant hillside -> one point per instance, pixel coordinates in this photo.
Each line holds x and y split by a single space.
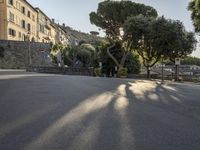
81 36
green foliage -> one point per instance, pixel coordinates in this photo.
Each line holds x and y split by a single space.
159 36
156 37
71 55
133 63
122 72
111 15
194 7
85 54
183 42
150 37
1 52
56 47
89 47
97 71
54 59
107 62
57 53
189 60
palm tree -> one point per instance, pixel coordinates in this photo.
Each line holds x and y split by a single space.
194 7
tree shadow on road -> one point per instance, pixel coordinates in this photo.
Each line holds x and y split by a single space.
97 114
161 118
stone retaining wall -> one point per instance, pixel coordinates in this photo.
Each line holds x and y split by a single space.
16 54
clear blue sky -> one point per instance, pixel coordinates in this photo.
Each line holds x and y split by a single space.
75 13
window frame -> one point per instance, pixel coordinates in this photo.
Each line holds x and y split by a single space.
11 2
12 17
23 10
12 32
29 14
23 24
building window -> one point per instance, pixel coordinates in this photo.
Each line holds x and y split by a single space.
33 29
18 5
23 24
33 18
41 28
23 10
12 32
29 14
12 17
29 27
10 2
24 37
17 20
20 34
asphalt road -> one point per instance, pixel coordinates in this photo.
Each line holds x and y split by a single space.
55 112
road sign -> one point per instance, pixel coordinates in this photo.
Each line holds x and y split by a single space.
177 61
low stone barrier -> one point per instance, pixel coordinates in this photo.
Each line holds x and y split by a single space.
65 70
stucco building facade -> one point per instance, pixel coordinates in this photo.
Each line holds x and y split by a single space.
20 21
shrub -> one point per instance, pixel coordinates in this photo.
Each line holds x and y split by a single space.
97 71
122 72
133 64
1 52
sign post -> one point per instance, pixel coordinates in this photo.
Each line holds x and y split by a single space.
177 63
100 66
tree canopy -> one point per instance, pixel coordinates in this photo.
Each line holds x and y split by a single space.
137 27
111 17
194 7
156 37
189 60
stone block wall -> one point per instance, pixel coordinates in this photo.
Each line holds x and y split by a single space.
16 54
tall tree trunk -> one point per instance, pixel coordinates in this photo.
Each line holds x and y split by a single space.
148 72
111 56
123 60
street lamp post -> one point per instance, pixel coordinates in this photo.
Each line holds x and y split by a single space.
75 43
29 50
100 66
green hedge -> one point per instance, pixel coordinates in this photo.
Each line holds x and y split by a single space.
122 72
